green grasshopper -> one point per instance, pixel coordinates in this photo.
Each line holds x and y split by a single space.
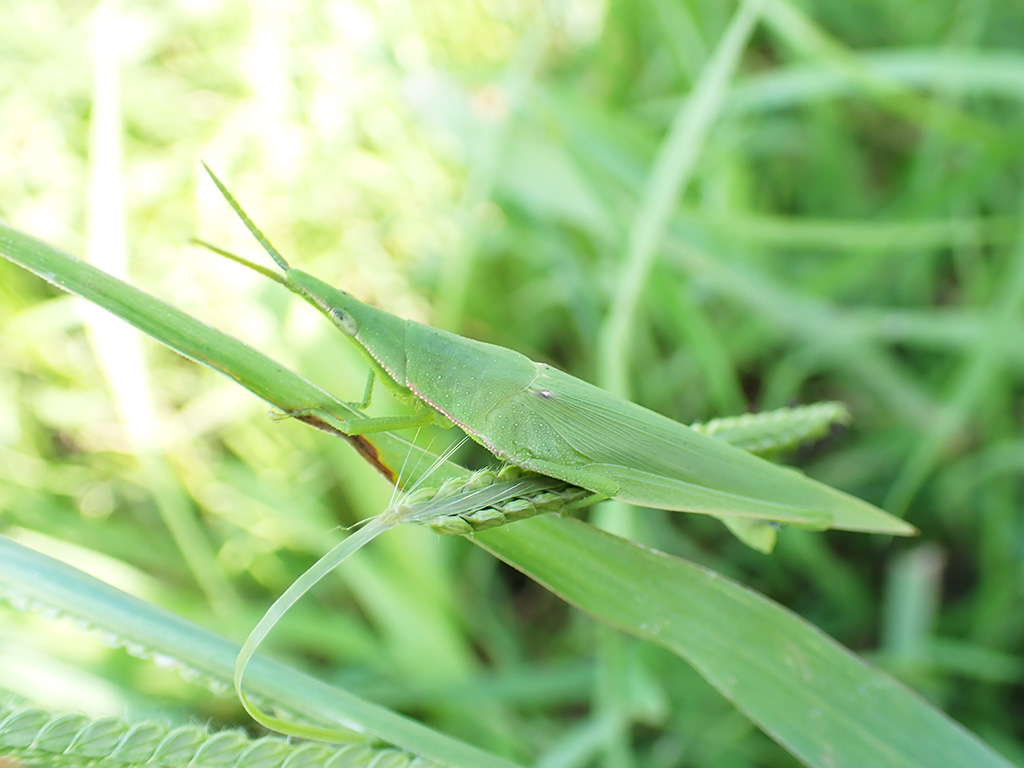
544 420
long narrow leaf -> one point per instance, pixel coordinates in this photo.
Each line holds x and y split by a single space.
199 342
818 700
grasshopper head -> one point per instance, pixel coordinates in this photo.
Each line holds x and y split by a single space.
337 305
380 334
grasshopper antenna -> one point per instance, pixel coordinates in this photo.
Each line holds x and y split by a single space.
240 260
253 229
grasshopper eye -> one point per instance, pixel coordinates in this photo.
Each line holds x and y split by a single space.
345 322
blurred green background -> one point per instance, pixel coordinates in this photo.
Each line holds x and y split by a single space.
846 226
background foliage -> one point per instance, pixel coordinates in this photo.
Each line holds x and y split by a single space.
850 230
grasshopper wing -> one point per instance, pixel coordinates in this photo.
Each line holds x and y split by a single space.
540 418
613 446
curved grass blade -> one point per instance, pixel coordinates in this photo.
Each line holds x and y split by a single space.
433 507
34 581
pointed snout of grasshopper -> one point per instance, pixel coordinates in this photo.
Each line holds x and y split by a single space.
327 299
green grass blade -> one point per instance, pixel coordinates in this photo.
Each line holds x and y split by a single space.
207 346
814 697
34 580
672 170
